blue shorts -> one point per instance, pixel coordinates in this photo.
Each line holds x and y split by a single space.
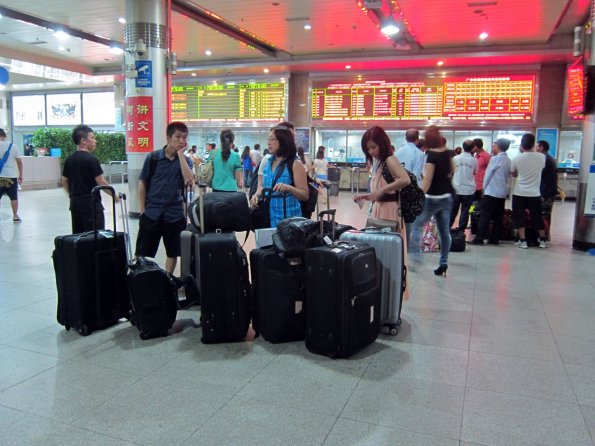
9 186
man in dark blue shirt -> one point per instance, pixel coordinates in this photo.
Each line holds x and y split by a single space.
549 185
162 181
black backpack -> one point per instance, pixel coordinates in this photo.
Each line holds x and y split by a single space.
412 196
308 206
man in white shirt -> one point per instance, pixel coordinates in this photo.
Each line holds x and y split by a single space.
464 184
11 174
256 155
527 168
410 156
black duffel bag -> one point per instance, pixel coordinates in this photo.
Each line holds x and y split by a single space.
295 235
225 211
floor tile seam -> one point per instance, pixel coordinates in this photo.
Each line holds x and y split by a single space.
104 367
572 385
30 377
368 365
199 427
404 341
591 432
506 355
405 429
103 434
551 400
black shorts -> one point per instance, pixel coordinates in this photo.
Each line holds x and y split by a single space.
9 186
533 205
150 233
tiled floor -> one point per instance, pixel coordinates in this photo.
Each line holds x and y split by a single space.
501 352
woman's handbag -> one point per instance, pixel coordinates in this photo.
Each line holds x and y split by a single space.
380 223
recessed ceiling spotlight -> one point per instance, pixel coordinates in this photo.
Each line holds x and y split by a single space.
115 50
208 52
483 36
307 26
348 67
61 35
193 74
61 48
266 70
389 27
122 20
440 63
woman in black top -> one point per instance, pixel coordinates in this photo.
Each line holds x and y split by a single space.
438 188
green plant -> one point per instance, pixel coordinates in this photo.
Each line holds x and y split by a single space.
111 146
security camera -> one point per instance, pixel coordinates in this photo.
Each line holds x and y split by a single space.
140 49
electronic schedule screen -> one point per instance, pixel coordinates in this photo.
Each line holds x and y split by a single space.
236 102
509 98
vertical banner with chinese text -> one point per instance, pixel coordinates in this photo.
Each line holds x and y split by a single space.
139 124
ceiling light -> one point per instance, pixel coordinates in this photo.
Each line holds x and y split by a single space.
122 20
389 27
266 70
348 67
61 35
115 50
307 26
208 52
483 36
61 48
193 74
440 63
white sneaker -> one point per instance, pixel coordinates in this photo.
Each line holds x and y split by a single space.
517 244
524 245
542 244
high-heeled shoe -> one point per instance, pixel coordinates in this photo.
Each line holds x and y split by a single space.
441 270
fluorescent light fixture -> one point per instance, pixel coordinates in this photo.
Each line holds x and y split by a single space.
2 87
307 27
389 27
208 52
440 63
115 50
348 67
61 35
483 35
61 48
122 20
193 74
230 83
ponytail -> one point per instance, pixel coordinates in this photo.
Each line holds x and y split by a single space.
227 138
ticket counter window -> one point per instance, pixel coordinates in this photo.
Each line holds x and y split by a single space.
514 136
462 135
569 152
335 143
354 147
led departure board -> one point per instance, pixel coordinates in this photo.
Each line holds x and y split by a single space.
465 99
237 102
575 80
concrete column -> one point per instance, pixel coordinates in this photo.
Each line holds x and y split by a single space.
147 40
584 227
297 104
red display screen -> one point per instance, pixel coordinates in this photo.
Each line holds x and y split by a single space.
509 98
575 78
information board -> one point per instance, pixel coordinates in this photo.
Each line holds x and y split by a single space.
237 102
63 109
510 98
575 81
28 110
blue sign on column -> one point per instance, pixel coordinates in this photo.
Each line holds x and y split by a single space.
144 79
551 136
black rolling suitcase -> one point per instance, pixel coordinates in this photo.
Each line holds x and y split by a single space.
221 271
91 277
278 292
343 285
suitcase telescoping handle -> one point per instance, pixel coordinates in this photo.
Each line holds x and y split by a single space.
331 217
95 199
126 225
202 188
270 192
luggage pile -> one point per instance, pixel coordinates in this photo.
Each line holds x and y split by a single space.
315 281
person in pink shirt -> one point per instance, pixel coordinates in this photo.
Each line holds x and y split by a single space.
483 159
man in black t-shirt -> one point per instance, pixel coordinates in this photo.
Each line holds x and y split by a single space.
81 173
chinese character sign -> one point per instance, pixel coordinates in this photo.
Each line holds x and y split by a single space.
139 124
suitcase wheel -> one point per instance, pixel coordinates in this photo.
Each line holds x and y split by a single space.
83 330
392 329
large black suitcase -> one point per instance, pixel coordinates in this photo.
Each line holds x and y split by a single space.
220 267
278 293
343 286
91 277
